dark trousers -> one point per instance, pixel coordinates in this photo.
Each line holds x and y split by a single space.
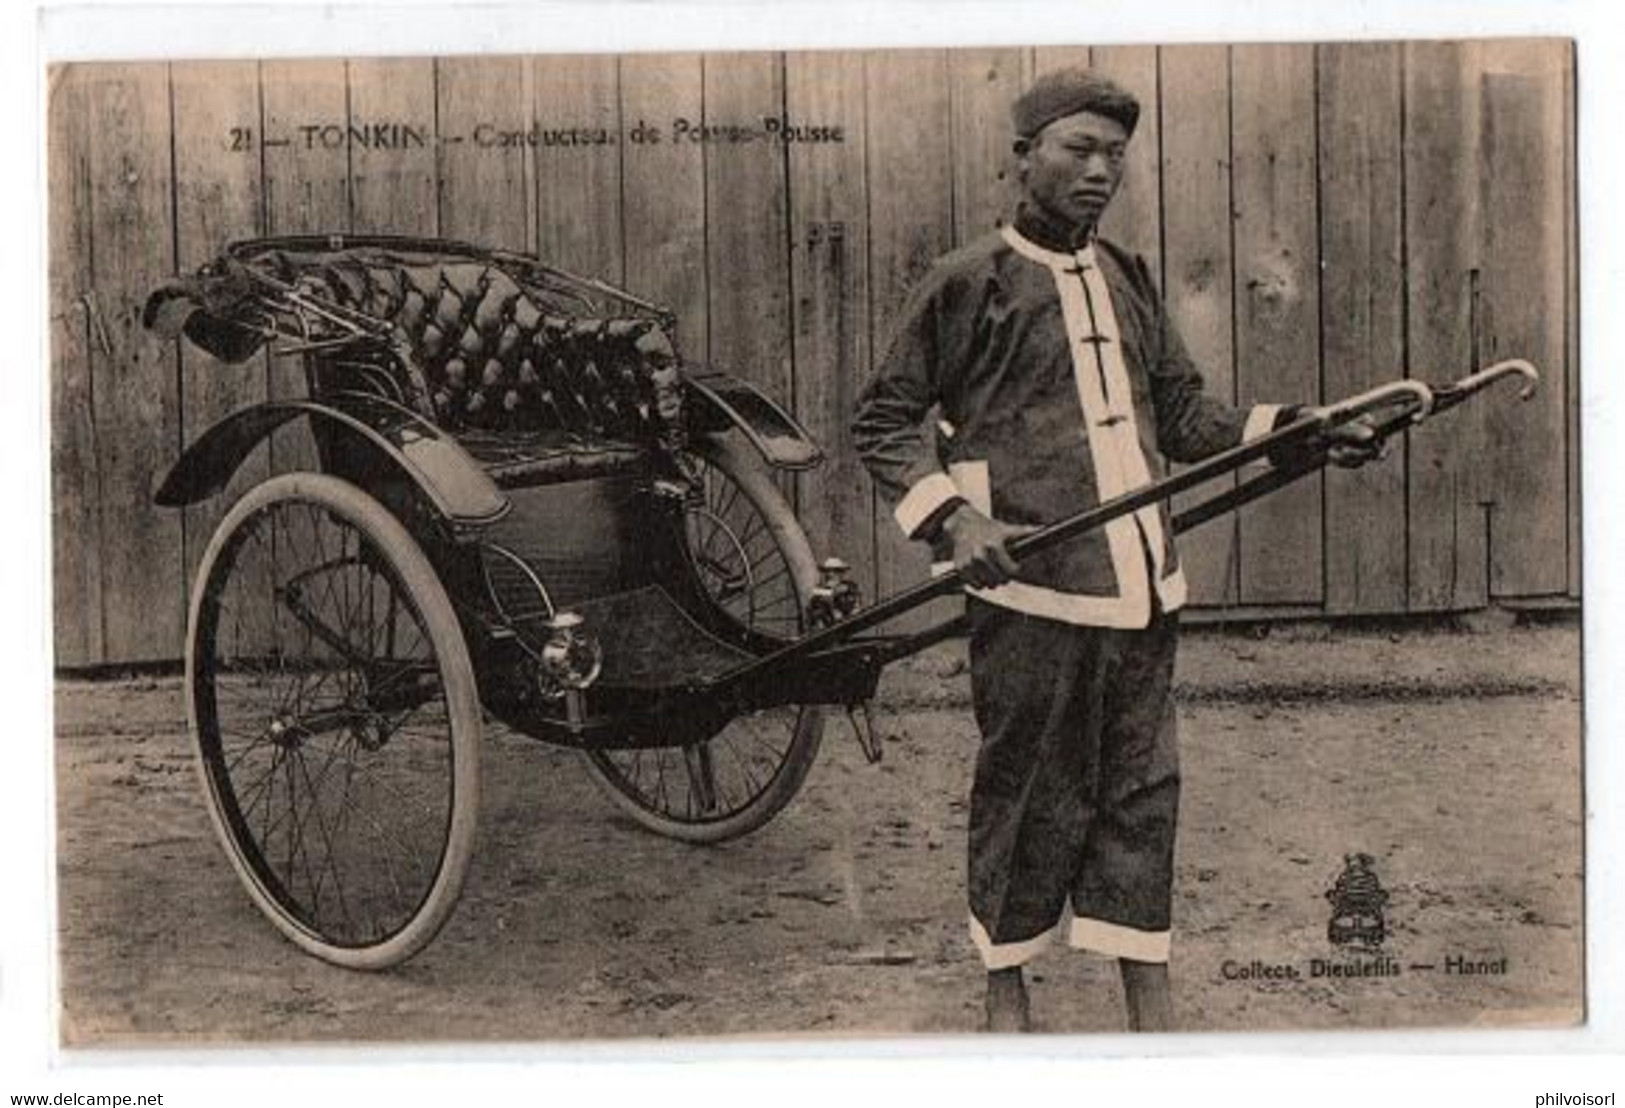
1076 792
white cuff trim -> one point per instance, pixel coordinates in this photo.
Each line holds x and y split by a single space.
997 956
928 494
1173 591
1116 941
1260 422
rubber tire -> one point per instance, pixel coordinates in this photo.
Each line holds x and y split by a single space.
462 709
739 462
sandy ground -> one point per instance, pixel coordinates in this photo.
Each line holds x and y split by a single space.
1452 758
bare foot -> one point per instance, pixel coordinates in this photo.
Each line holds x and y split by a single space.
1008 1010
1147 996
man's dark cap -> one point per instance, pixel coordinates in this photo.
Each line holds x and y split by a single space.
1063 92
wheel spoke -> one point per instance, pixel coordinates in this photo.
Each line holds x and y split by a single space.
385 836
262 787
751 783
702 778
253 745
314 788
754 526
424 816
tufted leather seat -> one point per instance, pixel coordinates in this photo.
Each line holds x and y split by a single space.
495 357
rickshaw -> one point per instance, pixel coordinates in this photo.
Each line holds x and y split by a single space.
523 504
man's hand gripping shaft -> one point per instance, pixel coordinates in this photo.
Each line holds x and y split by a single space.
980 555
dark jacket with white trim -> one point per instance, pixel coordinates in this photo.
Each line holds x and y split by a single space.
1061 382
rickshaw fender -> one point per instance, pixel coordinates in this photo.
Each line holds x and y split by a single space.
723 401
452 483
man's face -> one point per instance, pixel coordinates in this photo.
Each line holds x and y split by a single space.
1073 166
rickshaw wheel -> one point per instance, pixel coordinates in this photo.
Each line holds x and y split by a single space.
753 557
336 719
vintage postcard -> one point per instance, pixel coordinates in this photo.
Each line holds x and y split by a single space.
579 547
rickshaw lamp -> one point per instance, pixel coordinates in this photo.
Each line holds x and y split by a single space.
835 596
571 659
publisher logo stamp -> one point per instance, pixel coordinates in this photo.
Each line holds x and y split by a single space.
1357 898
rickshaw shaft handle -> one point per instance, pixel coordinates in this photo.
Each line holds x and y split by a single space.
1417 399
1445 397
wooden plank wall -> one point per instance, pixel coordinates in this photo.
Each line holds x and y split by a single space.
1362 257
1198 276
1321 217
